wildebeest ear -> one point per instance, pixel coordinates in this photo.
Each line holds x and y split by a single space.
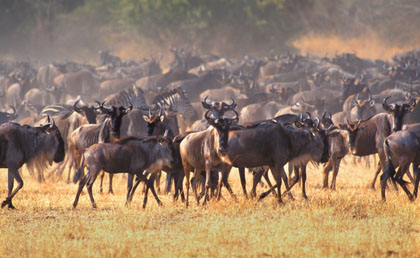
146 118
162 118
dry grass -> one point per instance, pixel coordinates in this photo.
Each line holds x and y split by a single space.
351 221
367 45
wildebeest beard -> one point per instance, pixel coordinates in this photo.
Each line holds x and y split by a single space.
115 127
326 151
223 132
59 154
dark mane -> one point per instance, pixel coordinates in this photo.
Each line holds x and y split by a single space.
127 139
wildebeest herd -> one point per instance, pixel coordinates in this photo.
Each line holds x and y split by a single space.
207 114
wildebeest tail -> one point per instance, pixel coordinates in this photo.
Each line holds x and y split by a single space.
79 171
389 166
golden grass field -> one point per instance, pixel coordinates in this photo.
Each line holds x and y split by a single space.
351 221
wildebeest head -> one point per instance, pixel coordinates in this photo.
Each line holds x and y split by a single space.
398 111
218 108
116 114
222 125
153 122
326 120
52 129
351 86
162 147
353 129
323 134
363 106
88 111
304 122
7 116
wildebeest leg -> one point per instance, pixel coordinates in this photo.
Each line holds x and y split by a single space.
326 172
179 178
187 171
169 179
225 177
130 189
219 185
303 169
157 180
208 181
258 173
389 172
243 180
267 178
70 168
110 184
401 182
416 179
378 170
336 167
410 177
286 183
12 174
150 184
89 186
82 183
102 180
277 176
194 185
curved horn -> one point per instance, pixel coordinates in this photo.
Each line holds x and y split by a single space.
236 117
309 115
160 112
206 116
52 122
369 97
99 104
206 104
386 106
330 115
150 113
358 123
75 107
323 115
232 103
357 97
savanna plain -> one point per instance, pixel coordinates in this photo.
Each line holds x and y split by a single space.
351 221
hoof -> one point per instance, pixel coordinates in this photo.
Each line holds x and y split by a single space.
4 203
11 206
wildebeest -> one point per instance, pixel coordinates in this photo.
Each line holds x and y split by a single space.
402 148
128 155
338 149
34 146
199 150
366 137
106 131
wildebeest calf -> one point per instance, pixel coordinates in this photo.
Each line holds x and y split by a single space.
128 155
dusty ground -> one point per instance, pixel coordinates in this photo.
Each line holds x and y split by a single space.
351 221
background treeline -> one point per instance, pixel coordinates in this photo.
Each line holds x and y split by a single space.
47 29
